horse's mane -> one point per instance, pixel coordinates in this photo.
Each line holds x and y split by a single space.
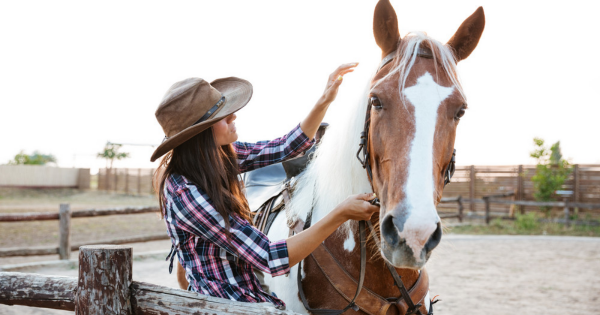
335 173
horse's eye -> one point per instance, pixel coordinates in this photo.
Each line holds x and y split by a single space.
460 113
375 102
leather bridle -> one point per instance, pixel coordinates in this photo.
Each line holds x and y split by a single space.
364 148
364 135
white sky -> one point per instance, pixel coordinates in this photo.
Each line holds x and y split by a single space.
74 75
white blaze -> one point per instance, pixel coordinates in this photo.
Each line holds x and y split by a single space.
426 96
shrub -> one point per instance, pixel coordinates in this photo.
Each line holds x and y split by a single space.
526 221
551 171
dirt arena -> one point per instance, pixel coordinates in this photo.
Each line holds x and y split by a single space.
471 274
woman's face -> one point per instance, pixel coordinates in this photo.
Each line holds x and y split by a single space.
225 131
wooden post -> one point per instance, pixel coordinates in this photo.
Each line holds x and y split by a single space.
104 279
139 181
520 189
567 221
127 181
460 209
116 180
487 209
472 188
64 244
576 183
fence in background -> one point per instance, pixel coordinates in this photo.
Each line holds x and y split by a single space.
131 181
474 182
64 216
38 176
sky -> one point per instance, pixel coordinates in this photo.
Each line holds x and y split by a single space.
76 74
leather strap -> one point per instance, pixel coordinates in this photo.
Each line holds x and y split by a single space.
363 265
368 301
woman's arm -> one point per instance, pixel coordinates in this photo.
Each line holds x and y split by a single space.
356 207
251 156
311 123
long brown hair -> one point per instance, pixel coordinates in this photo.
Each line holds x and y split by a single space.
210 167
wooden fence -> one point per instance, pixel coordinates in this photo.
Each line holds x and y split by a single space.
105 286
64 216
499 199
475 182
131 181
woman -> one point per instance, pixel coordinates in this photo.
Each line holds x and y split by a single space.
201 197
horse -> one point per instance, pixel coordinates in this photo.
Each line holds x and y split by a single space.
413 104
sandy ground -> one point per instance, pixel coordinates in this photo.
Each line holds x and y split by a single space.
472 275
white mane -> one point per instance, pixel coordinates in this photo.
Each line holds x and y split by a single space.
335 173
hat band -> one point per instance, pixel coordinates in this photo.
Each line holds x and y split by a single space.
210 111
208 114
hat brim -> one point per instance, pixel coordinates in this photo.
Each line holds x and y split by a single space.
237 92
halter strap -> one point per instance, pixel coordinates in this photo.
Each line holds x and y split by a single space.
423 52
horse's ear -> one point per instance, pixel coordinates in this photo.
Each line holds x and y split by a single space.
468 34
385 27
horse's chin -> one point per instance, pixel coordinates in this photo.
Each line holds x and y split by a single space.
401 256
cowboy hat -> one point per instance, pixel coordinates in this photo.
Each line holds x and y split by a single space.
193 105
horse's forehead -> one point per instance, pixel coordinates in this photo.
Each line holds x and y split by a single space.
390 83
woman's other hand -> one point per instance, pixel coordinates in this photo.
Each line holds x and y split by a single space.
335 80
357 207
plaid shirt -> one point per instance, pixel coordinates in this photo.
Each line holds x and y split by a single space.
213 265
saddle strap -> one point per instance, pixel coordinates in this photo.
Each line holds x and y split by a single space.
352 302
368 301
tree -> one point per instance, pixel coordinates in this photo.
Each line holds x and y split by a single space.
36 158
111 153
551 171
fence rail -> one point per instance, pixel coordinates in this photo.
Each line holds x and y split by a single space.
105 285
476 181
64 216
489 200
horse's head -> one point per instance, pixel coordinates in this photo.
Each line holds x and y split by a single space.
416 104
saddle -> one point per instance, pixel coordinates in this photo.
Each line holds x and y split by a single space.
269 188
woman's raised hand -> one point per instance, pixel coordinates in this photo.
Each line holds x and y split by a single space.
335 80
311 123
357 207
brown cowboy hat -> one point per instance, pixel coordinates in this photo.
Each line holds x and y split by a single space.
193 105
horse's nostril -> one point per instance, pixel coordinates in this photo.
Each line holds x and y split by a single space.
434 239
389 231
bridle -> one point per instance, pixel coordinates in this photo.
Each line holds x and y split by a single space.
364 148
364 135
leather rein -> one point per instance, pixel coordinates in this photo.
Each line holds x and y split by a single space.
405 300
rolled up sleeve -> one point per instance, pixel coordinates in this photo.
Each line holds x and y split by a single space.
251 156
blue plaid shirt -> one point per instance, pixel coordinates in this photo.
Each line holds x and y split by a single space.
215 266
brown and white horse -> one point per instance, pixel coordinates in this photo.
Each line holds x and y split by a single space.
416 106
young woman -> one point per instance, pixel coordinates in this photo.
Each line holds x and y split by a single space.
201 198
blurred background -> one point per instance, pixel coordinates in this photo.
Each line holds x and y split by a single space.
80 81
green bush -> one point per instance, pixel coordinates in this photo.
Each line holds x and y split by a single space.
551 171
528 221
